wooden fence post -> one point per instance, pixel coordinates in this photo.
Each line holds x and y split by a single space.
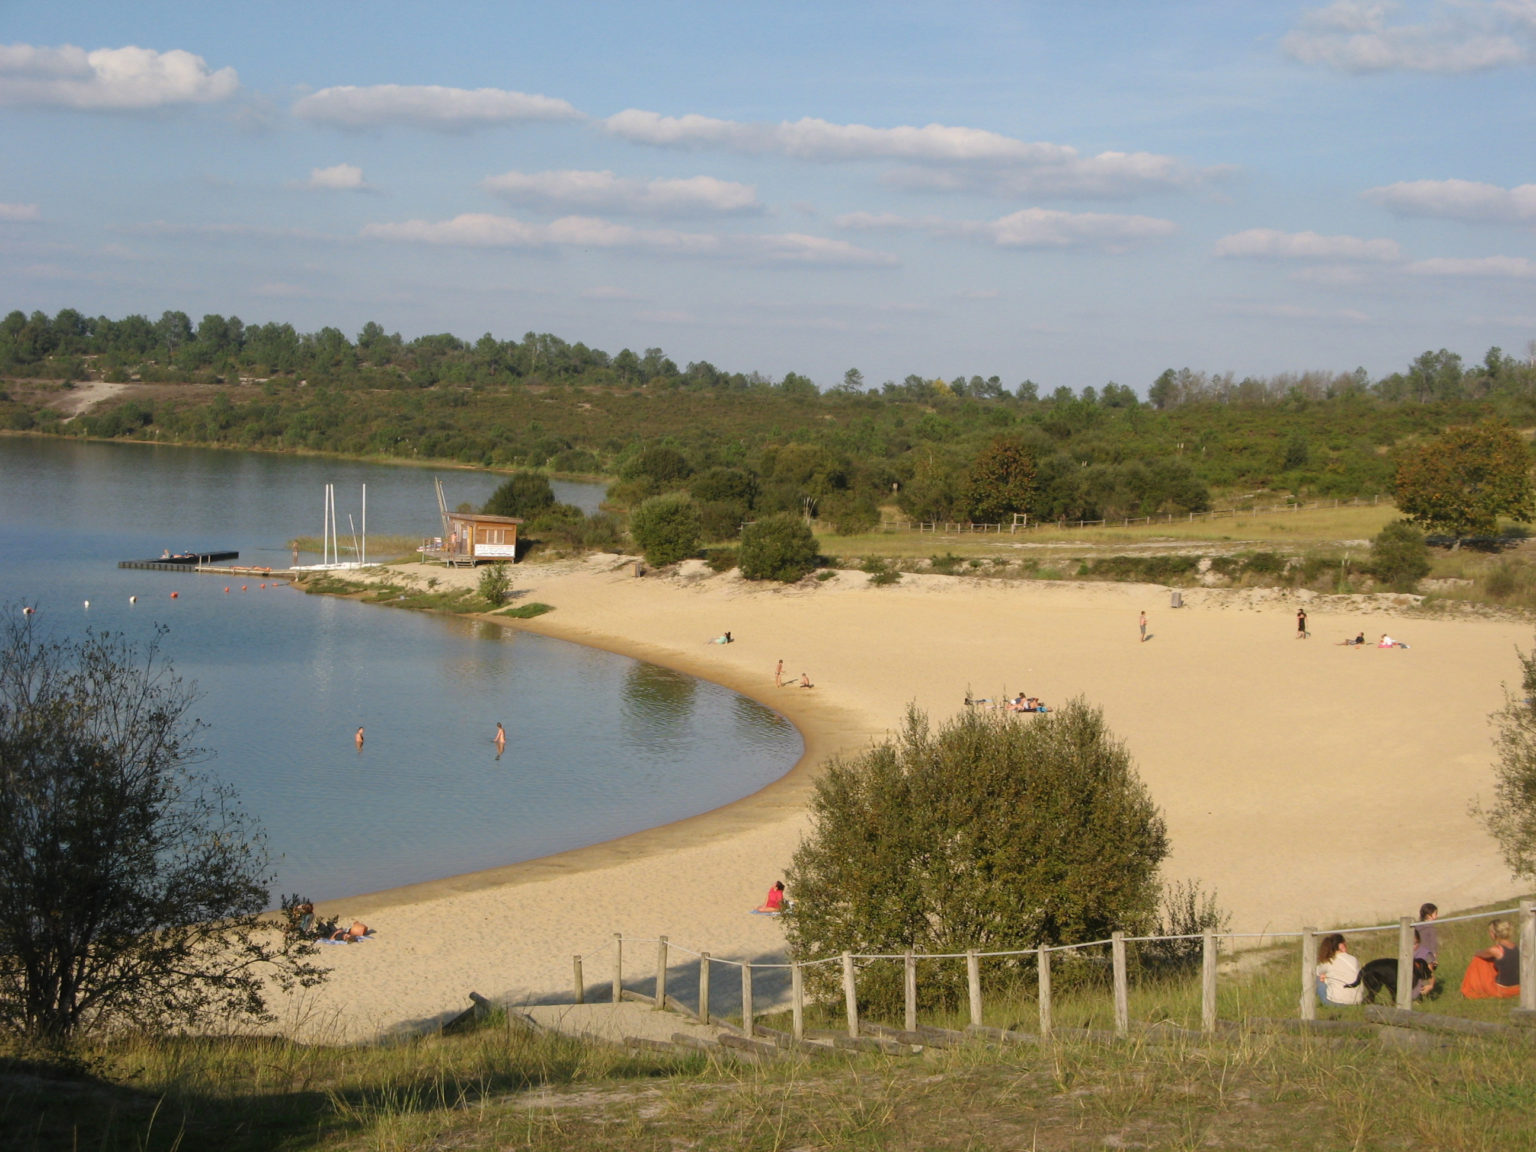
703 987
1528 955
1405 963
581 990
910 985
973 982
797 1001
1308 974
1208 981
1122 985
618 966
1045 990
748 1024
850 996
661 974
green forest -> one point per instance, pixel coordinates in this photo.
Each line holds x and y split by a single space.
741 444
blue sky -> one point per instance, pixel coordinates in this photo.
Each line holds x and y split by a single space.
1070 193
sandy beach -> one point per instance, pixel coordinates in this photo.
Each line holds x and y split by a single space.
1305 782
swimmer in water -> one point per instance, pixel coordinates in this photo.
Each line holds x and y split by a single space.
358 739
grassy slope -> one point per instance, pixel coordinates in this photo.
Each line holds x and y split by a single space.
501 1088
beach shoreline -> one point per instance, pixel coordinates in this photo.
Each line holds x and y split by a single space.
1303 782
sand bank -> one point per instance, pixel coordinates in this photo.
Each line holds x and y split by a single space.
1305 782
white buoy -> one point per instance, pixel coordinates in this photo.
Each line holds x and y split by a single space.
87 603
133 599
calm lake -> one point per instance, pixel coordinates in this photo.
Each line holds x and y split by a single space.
599 745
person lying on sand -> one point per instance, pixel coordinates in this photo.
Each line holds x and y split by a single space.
1357 642
357 931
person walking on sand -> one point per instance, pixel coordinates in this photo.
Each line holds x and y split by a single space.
1143 626
358 739
778 675
1301 623
500 739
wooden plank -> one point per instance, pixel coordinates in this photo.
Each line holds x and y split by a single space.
1432 1021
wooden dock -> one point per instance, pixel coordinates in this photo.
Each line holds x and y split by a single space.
187 563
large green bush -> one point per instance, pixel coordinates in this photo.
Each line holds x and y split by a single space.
666 528
779 547
1399 556
522 494
996 832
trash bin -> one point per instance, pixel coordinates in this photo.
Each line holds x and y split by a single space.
1176 598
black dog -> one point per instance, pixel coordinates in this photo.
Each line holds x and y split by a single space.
1381 975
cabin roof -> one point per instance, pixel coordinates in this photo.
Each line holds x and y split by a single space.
483 518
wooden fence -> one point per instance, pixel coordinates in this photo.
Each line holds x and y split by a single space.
1021 524
850 964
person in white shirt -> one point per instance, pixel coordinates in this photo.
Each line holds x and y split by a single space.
1336 968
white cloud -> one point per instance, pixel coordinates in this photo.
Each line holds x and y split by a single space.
1443 36
1296 312
1484 267
940 157
604 192
1270 244
483 230
109 78
1459 200
19 212
337 178
1029 228
427 106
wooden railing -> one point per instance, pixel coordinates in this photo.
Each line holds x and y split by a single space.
850 964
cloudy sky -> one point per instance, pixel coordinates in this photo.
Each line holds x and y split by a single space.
1070 192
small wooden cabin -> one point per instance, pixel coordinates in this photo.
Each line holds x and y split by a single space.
473 538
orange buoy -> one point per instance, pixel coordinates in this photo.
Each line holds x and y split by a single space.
242 587
174 595
226 587
263 585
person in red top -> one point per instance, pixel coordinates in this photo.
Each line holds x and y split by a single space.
775 900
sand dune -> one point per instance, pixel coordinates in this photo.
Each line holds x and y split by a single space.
1306 783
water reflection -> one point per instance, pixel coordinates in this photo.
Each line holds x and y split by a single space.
658 703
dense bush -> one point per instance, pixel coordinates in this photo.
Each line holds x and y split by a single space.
1399 556
779 547
522 494
1147 569
666 528
996 832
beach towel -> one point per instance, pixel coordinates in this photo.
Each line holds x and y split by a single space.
1479 984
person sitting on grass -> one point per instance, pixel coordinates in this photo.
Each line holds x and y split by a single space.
1335 969
1494 973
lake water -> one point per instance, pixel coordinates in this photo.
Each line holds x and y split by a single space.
599 745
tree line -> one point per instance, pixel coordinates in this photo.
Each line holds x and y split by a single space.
742 445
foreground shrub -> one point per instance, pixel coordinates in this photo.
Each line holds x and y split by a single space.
133 886
997 832
495 584
666 528
779 547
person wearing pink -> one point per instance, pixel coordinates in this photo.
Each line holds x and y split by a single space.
775 901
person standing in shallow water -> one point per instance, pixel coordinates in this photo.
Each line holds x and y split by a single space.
358 739
500 739
1143 627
